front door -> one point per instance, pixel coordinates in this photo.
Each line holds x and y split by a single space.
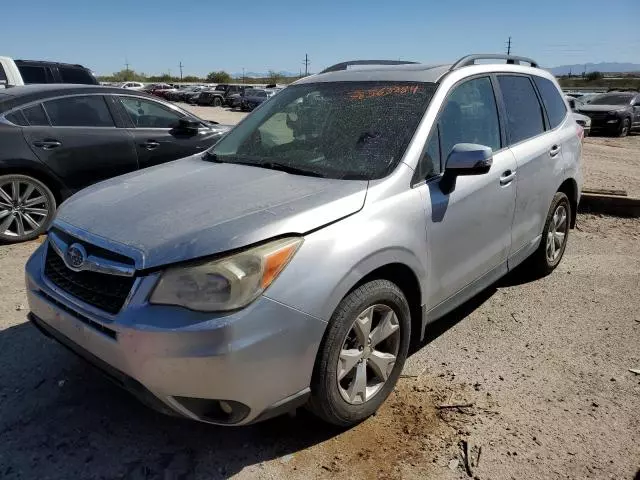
155 132
78 140
469 227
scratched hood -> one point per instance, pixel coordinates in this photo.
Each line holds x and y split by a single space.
192 208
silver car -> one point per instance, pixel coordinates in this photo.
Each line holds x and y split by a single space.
294 262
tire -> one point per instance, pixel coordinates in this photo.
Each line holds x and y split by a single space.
387 306
20 218
543 261
217 102
625 126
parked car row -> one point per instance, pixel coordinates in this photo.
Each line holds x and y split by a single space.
48 133
612 113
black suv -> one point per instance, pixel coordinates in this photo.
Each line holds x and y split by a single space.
40 71
219 95
58 139
615 112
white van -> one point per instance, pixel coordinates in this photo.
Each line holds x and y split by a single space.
14 73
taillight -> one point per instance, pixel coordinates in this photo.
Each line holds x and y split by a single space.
580 131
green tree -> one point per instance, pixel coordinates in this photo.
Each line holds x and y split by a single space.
191 79
593 76
219 77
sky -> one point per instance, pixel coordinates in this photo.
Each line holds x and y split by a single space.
155 36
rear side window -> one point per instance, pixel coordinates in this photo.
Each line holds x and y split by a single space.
32 74
524 112
89 111
553 104
76 75
35 116
17 118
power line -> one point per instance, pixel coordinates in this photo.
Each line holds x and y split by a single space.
306 64
509 46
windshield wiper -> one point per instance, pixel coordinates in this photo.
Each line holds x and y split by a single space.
282 167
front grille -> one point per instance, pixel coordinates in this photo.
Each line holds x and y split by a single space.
106 292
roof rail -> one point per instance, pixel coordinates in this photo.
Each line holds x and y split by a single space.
511 59
344 65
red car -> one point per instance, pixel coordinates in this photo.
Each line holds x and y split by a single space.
159 89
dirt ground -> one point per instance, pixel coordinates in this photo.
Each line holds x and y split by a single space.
544 366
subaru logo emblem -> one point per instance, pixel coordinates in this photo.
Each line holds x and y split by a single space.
76 256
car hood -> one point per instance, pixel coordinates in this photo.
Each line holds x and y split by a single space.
192 208
600 108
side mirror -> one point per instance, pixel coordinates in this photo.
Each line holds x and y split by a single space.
188 125
469 159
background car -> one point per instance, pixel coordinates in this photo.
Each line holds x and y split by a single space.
132 85
25 72
614 113
58 139
584 122
254 97
220 94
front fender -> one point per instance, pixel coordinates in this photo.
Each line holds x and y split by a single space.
335 258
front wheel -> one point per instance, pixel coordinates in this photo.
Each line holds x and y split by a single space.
625 125
362 354
27 207
217 102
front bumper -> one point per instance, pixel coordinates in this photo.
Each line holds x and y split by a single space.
259 359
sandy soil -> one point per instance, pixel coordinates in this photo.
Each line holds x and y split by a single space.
613 163
544 365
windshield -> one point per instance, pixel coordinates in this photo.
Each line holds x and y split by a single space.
335 130
221 88
612 99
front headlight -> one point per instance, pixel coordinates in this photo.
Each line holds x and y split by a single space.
227 283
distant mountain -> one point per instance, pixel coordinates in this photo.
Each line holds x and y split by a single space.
610 67
263 74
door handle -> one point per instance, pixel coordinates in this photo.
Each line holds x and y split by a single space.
150 144
507 177
555 150
47 144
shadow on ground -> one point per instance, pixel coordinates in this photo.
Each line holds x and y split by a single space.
61 419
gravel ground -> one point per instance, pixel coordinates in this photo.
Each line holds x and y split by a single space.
544 365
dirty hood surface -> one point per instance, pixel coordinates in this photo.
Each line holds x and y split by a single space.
192 208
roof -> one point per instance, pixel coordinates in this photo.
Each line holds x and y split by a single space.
399 70
12 97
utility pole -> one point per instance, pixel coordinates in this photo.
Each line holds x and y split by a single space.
243 75
181 70
306 64
509 46
126 68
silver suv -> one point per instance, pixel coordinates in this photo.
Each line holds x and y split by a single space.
294 262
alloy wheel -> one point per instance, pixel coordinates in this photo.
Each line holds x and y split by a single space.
368 354
557 234
24 208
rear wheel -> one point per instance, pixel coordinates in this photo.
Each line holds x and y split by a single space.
554 236
362 354
217 102
625 125
27 207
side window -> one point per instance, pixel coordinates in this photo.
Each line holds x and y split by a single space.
3 76
32 74
553 104
75 75
35 115
90 111
149 114
17 118
524 112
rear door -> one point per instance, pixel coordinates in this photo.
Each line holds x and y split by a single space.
76 137
154 127
537 148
